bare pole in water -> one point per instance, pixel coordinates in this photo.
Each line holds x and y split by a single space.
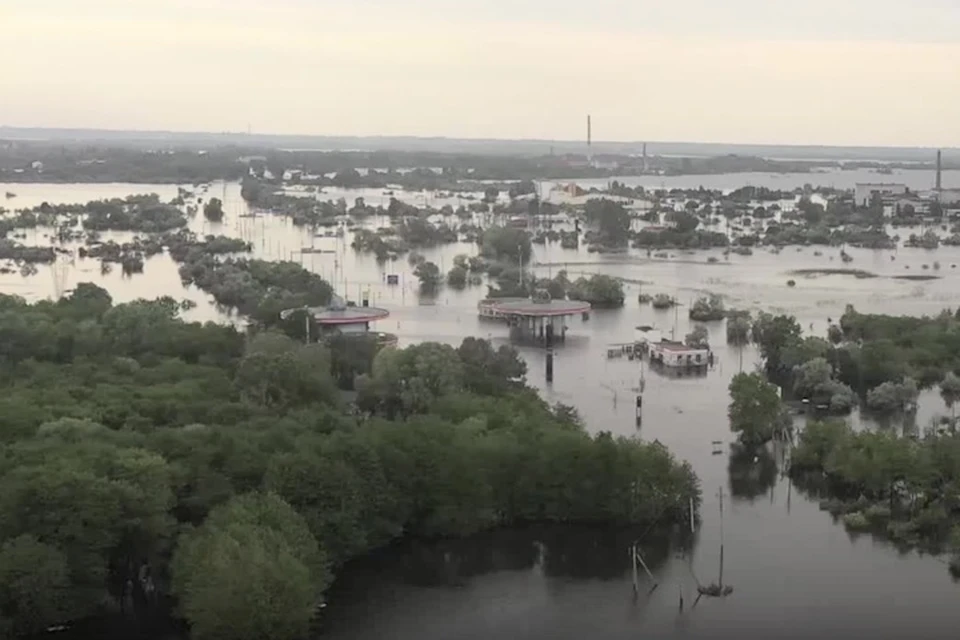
721 538
676 317
520 253
646 569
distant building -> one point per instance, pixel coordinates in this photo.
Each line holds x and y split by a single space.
949 196
901 204
678 355
864 192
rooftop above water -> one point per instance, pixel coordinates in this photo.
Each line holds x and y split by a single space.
530 307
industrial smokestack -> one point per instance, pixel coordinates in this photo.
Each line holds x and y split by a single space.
589 132
939 170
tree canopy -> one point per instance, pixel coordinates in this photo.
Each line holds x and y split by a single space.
129 437
755 409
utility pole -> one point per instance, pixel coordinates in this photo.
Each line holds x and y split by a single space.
721 538
520 253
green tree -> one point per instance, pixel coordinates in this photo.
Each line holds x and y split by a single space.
738 327
813 380
457 277
773 335
429 275
506 244
891 397
708 309
250 189
950 389
611 219
35 586
275 371
755 410
684 222
490 371
252 571
698 338
600 291
213 210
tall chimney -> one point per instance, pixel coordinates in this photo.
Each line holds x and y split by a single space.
938 170
589 132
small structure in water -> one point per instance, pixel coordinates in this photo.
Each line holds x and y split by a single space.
487 309
340 318
676 355
539 319
714 590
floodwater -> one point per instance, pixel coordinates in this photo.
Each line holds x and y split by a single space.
916 180
795 571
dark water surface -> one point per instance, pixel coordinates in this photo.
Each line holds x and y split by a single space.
795 571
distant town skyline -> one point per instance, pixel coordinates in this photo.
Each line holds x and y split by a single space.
846 72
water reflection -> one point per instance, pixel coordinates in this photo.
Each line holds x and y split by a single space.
574 552
752 473
453 562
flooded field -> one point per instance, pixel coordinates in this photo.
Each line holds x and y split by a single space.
794 569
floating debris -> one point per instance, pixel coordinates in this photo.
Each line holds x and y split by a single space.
714 590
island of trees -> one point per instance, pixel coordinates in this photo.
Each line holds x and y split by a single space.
902 484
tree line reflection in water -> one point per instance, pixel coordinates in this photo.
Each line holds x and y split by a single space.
558 551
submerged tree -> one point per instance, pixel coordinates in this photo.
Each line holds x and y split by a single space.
950 389
699 338
599 291
891 397
813 380
708 309
755 409
611 219
429 275
773 335
738 327
457 277
213 210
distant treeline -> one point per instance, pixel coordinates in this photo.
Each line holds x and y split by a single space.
75 162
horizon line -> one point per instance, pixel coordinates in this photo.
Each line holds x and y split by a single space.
545 141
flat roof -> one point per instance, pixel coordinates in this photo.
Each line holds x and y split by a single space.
541 309
347 315
490 302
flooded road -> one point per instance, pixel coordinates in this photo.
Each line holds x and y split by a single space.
796 572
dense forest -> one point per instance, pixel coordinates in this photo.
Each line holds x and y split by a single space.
145 459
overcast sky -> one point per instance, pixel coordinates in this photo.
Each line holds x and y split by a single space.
870 72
